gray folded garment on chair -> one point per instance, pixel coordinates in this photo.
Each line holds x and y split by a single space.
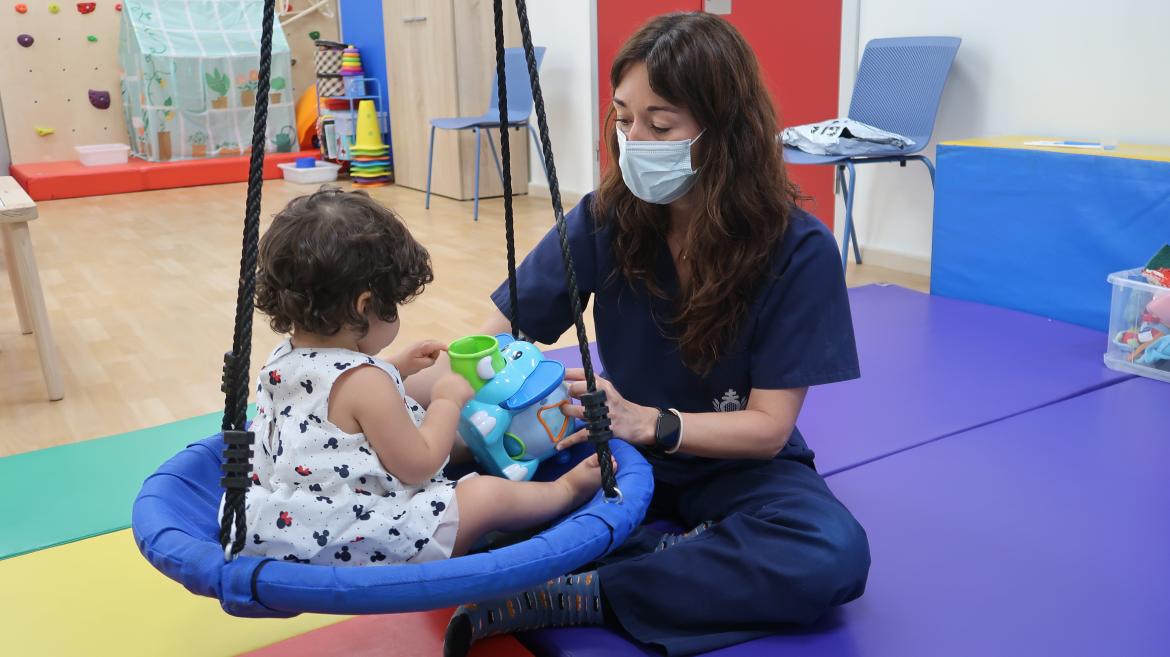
843 137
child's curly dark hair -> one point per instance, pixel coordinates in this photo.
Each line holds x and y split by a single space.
324 250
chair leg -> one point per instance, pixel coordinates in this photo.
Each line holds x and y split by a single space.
849 203
478 146
539 149
929 167
495 158
850 235
430 166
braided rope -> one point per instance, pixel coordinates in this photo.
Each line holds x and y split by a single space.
236 364
596 414
506 156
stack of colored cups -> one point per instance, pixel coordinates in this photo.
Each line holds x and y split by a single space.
370 163
351 62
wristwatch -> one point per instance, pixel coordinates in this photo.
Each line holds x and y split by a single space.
668 431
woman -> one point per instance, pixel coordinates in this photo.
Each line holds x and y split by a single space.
717 302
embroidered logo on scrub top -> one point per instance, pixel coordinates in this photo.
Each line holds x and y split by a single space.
730 402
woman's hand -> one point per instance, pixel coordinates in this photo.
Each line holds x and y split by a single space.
628 421
418 356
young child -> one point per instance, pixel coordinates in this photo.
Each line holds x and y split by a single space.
348 469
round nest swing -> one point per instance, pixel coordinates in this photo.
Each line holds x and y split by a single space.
175 514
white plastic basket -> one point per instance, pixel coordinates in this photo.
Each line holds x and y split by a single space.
323 172
102 154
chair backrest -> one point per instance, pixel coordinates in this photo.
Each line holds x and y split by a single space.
900 83
519 87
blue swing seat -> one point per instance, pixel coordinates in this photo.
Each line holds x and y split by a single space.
176 527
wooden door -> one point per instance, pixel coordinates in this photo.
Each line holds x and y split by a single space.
475 61
420 54
440 63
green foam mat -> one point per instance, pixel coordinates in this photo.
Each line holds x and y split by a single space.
67 493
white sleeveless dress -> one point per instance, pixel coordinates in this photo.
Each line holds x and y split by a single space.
320 495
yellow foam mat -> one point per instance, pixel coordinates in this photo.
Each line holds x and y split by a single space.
1128 151
100 597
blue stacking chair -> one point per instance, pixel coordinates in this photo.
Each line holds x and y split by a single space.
899 85
519 110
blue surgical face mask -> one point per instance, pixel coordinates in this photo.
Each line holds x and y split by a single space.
657 171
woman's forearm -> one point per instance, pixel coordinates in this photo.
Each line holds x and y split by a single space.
759 432
736 435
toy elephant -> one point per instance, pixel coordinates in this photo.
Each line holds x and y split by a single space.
514 421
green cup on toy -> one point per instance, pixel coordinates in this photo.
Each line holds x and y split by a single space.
476 358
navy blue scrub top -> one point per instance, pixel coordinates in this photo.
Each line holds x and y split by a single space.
798 331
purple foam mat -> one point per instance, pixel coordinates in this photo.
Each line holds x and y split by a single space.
1042 534
931 367
571 356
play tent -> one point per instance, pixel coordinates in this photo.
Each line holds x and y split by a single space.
188 73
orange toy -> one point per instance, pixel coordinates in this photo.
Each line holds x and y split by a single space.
307 118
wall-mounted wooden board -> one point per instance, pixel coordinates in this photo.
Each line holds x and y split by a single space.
48 83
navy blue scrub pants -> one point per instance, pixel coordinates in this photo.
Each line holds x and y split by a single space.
783 552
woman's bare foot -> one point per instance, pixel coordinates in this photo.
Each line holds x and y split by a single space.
583 481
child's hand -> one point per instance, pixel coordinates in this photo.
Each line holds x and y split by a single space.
454 388
418 356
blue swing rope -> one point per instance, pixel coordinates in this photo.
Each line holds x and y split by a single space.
238 441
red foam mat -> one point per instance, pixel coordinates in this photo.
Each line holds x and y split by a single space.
395 635
44 181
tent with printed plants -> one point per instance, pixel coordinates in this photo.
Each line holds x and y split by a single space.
189 71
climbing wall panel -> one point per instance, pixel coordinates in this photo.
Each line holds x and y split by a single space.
47 84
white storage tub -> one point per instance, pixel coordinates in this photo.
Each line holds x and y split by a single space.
1139 322
323 172
101 154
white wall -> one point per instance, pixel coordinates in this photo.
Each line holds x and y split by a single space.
1085 69
566 81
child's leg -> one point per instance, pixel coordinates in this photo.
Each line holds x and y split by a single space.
491 503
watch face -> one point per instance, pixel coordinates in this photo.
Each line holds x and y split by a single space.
666 433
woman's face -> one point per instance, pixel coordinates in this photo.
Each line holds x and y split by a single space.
643 115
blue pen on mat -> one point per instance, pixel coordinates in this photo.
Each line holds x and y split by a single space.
1094 145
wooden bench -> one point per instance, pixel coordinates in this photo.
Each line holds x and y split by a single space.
16 210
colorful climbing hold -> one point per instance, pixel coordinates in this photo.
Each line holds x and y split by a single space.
118 7
25 40
99 99
54 8
43 131
21 8
314 35
91 38
86 7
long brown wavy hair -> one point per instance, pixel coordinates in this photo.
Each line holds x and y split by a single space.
700 62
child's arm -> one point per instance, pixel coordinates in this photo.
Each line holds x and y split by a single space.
367 400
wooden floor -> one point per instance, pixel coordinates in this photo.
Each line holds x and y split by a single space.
141 288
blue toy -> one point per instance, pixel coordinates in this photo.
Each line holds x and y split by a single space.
514 421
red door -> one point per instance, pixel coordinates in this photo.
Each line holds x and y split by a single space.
798 43
617 20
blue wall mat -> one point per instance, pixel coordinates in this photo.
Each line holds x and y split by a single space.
361 26
1039 231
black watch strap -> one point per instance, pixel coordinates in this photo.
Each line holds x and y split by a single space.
667 431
